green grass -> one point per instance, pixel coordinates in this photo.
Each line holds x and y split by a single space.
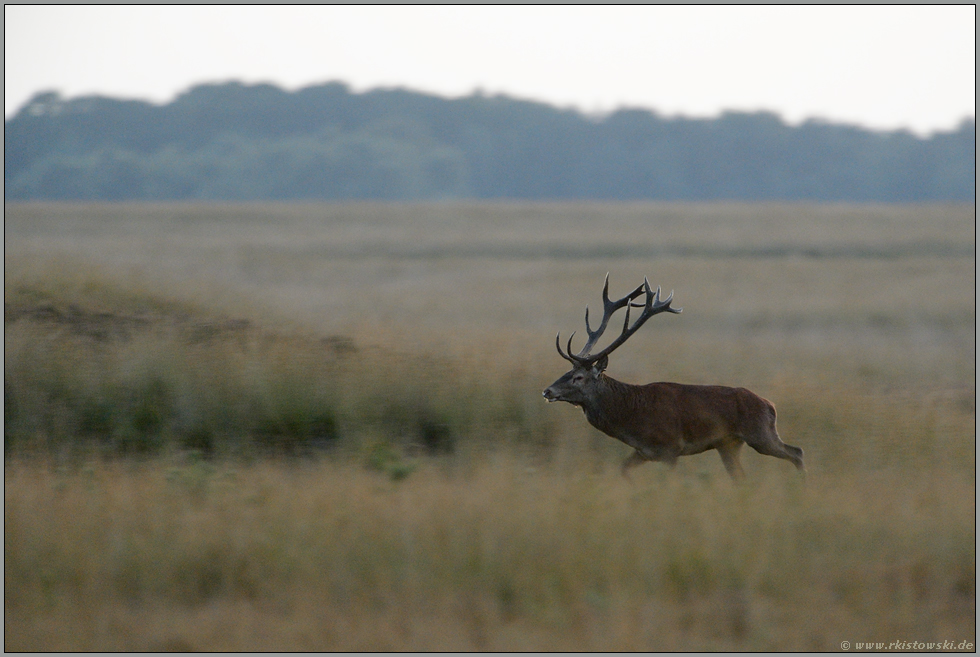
319 427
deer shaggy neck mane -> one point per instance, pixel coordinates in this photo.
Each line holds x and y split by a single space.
614 401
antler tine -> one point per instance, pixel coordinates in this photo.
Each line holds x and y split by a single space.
652 305
609 307
605 305
626 320
657 303
561 353
664 306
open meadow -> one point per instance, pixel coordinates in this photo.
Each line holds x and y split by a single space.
320 427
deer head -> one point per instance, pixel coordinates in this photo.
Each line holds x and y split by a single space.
578 385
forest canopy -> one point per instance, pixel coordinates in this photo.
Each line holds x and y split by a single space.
233 141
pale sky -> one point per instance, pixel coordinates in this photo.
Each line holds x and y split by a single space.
877 66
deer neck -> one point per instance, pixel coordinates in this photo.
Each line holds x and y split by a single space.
611 404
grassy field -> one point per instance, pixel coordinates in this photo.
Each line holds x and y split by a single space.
319 427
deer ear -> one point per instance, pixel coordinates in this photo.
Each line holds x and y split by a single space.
601 364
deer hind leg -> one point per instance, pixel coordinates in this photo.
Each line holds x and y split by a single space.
771 445
766 441
729 456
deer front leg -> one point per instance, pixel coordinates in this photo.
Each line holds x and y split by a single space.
632 461
636 458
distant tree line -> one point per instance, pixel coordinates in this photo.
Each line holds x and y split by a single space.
249 142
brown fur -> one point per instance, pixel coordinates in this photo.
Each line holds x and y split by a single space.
663 421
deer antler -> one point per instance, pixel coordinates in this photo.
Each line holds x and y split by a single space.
651 306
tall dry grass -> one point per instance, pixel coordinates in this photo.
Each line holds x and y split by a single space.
497 556
319 427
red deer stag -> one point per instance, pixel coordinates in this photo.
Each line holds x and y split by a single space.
662 421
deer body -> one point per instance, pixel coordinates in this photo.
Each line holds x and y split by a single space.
663 421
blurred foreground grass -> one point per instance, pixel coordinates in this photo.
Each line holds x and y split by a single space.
498 555
320 427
